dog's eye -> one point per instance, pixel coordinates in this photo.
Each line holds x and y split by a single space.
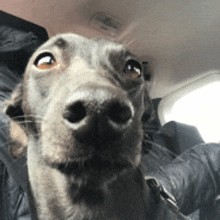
133 69
45 61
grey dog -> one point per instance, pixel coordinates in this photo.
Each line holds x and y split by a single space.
77 116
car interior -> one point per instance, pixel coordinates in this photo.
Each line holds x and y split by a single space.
178 39
177 42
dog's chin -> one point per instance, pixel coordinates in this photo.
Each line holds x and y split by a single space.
93 169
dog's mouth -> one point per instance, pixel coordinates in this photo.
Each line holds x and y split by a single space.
92 166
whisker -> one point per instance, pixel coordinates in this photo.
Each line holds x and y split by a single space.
19 122
6 127
153 154
127 45
33 116
129 30
162 150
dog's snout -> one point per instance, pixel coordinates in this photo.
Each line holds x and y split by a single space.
116 112
98 111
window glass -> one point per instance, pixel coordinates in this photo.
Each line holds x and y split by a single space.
200 108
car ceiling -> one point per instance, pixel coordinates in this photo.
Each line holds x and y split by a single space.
179 38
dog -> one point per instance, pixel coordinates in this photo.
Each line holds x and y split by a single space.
77 116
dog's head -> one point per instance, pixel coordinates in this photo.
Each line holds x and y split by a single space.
81 103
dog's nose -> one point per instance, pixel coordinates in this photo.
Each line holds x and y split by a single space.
99 112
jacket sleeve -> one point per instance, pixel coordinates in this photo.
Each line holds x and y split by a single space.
193 178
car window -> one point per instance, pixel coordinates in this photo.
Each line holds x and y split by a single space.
196 104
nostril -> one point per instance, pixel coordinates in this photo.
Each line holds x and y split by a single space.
75 112
119 113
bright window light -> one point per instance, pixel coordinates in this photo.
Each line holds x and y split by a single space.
200 108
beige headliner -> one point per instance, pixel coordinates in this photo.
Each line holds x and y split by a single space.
180 37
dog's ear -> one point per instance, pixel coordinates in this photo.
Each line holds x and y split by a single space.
14 104
149 113
17 139
147 71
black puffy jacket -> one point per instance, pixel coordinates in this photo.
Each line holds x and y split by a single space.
18 40
193 178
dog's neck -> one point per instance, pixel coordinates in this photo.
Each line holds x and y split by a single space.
123 197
